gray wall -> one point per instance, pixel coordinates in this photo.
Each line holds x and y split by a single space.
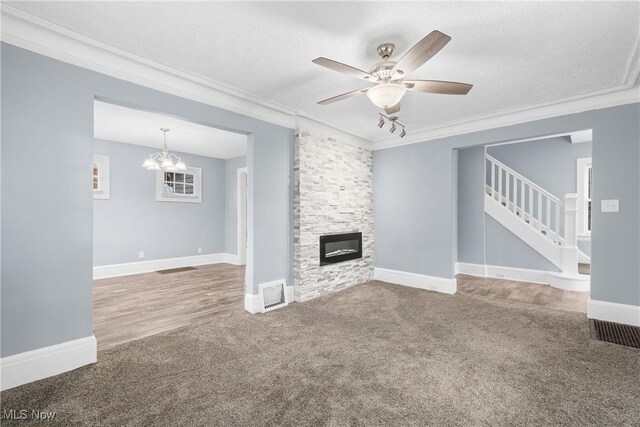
413 206
47 221
471 242
505 249
413 196
585 246
231 204
270 166
550 163
130 221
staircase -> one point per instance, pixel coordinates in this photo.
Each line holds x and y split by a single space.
539 218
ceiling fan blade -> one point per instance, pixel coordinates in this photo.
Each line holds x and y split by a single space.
343 96
344 69
423 51
436 86
393 109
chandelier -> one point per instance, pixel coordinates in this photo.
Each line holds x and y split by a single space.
164 161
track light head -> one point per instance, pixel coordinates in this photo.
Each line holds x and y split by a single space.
381 122
403 133
393 127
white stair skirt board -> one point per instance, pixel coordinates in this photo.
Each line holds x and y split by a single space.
521 229
583 258
23 368
255 303
421 281
556 279
614 312
127 269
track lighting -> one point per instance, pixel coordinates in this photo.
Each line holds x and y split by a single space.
394 124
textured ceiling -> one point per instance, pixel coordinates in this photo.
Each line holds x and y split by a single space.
516 54
131 126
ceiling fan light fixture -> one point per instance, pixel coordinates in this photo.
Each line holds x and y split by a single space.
386 95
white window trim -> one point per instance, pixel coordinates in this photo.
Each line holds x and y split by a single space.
582 164
182 198
104 182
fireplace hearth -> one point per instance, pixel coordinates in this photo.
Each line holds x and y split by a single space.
336 248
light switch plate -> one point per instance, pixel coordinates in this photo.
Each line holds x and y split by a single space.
610 206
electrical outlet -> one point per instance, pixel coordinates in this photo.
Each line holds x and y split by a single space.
610 206
199 251
141 255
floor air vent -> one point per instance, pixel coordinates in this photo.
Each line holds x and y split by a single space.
616 333
273 295
176 270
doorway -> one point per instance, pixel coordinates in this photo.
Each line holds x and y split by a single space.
164 235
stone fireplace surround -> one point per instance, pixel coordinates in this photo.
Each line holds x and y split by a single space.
333 193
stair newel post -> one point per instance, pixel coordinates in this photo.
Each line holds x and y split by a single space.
570 220
570 249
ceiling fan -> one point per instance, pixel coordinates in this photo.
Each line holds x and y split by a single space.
389 75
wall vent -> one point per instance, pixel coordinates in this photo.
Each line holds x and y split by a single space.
273 295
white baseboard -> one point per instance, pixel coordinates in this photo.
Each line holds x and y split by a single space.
614 312
421 281
23 368
479 270
291 294
231 259
254 303
127 269
556 279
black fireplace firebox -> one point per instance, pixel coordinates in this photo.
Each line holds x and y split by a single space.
340 247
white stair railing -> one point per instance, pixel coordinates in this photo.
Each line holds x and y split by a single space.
531 203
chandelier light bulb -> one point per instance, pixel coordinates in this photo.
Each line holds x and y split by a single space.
180 165
167 163
149 163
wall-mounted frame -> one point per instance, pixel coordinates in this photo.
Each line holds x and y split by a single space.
101 183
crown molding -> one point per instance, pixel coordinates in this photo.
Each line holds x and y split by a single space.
627 92
29 32
633 67
43 37
621 95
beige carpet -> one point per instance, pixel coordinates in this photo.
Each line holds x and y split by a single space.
376 354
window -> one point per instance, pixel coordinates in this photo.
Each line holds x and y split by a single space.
585 176
183 186
100 177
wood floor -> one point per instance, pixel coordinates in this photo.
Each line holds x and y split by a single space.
132 307
532 293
